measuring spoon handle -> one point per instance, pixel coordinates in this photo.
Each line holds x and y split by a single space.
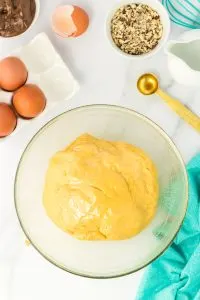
181 110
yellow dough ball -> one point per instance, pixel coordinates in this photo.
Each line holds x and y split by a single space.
101 190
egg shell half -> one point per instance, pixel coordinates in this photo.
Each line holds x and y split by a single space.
70 21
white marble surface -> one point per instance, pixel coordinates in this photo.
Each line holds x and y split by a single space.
105 77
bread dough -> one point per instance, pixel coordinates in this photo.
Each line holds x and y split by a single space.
101 190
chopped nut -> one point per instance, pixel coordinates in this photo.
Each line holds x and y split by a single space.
136 28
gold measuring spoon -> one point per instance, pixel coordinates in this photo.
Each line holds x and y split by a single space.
148 84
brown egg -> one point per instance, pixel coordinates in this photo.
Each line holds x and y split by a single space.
13 73
8 120
70 21
29 101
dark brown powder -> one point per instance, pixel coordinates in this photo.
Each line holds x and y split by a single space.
16 16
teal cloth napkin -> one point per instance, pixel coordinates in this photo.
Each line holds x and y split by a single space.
176 274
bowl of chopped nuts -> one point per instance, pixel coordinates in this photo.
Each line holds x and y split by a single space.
138 29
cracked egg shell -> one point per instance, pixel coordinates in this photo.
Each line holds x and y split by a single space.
69 21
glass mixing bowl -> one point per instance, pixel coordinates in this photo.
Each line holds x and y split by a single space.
101 259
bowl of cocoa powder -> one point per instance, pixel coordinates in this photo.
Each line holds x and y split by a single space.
17 16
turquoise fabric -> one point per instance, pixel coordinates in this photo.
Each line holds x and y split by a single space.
176 274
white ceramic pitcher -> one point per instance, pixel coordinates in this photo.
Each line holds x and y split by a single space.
184 58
